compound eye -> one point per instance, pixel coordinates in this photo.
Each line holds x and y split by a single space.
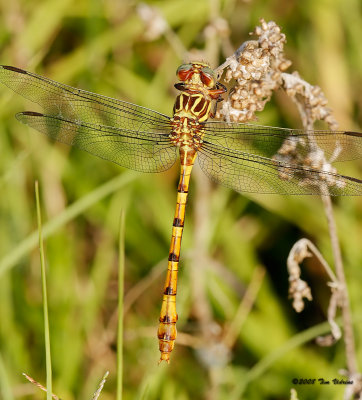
184 72
207 77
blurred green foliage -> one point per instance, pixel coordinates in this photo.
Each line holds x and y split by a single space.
101 47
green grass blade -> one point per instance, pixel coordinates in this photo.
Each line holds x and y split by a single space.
45 299
67 215
120 306
264 364
5 389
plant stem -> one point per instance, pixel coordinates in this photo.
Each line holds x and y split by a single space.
345 305
45 300
120 306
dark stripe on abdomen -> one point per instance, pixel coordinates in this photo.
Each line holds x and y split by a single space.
173 257
177 223
169 291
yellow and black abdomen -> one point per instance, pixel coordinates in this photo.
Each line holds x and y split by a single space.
192 105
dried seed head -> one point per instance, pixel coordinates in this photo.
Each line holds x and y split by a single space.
256 68
310 100
298 290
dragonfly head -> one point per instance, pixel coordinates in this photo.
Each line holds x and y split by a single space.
197 73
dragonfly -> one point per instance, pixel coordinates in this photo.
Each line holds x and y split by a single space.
239 156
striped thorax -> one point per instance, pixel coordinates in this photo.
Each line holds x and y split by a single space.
193 105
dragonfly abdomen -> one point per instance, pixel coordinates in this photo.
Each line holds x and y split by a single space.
167 328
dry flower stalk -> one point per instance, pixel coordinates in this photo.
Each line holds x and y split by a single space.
55 397
39 385
258 69
353 391
299 289
312 106
100 386
310 100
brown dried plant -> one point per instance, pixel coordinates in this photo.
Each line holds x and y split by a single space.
95 396
39 385
257 69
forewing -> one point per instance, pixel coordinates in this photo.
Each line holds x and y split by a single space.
141 151
266 140
132 136
245 172
74 104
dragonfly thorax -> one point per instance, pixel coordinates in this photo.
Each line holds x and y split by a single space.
186 132
194 105
192 108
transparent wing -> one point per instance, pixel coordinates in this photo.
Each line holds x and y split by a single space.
79 105
245 172
124 133
266 140
146 152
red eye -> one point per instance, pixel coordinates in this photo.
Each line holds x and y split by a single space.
184 74
206 79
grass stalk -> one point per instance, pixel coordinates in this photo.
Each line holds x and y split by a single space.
5 388
120 306
45 299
